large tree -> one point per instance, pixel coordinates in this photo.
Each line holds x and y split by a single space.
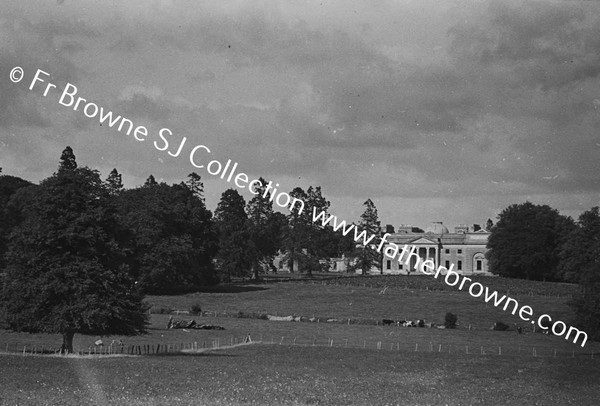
9 185
581 247
525 242
114 182
586 303
236 251
66 269
296 232
366 256
172 239
265 228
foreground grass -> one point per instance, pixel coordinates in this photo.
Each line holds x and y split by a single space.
283 375
330 363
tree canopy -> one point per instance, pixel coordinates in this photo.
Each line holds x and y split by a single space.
236 253
366 257
525 242
66 270
265 230
172 241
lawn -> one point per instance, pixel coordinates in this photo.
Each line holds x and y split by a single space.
285 375
324 363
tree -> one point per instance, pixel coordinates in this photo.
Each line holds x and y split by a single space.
196 186
171 238
114 182
525 242
366 256
265 228
318 242
296 233
489 224
67 160
9 186
236 253
586 303
581 247
66 269
150 181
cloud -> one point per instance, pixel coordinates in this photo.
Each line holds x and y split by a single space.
490 101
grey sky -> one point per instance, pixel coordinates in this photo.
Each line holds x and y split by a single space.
437 110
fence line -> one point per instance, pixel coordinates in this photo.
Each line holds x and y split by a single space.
148 349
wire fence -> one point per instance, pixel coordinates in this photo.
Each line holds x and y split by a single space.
149 349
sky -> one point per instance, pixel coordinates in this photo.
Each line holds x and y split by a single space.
435 110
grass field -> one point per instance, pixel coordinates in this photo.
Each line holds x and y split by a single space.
319 363
283 375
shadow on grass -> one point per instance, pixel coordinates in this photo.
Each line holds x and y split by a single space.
206 353
232 288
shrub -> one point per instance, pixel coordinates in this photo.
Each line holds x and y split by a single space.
196 309
160 310
499 326
450 320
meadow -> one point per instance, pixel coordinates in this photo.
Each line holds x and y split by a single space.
352 360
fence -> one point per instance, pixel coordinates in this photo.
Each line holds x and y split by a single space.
231 342
132 349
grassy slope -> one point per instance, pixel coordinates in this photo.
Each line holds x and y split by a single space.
281 374
336 301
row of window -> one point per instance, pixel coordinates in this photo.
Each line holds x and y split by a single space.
458 251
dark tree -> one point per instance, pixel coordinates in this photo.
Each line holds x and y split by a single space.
65 265
236 252
265 228
586 303
319 246
195 184
366 256
525 242
150 181
67 160
9 186
489 224
171 238
389 229
580 249
114 182
296 233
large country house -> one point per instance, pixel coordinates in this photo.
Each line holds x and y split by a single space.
464 249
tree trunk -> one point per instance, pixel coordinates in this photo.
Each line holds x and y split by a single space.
67 345
256 270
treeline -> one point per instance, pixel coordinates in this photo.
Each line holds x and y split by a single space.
162 235
536 242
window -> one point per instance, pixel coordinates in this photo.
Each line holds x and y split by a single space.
459 266
388 265
447 265
447 250
281 264
399 266
459 251
334 265
478 265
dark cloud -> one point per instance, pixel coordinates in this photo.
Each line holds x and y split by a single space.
494 101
